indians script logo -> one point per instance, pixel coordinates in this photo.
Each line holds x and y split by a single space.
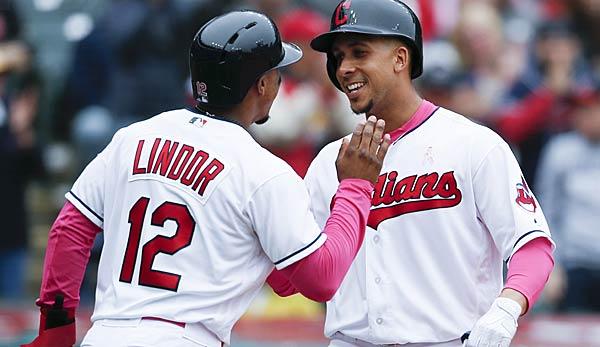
201 90
393 197
524 197
341 15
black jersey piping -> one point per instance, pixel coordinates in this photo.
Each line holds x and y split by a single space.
86 206
299 251
525 235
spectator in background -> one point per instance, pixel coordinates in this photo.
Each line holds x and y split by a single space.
587 27
443 81
19 95
125 69
538 104
490 66
148 77
272 8
308 111
568 178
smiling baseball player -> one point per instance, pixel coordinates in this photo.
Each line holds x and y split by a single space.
450 205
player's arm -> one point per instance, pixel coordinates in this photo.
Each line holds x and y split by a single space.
69 244
528 272
520 232
280 283
319 275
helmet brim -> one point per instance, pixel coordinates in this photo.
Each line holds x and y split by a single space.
292 54
323 42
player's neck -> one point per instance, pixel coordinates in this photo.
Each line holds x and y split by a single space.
400 110
249 111
227 114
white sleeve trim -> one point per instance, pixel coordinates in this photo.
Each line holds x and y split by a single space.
85 209
525 238
301 253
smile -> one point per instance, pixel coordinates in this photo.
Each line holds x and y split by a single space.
354 87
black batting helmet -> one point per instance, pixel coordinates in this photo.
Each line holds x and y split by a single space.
231 51
373 17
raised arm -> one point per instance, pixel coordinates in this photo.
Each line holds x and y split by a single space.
319 275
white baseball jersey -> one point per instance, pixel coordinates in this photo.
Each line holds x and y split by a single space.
450 205
195 215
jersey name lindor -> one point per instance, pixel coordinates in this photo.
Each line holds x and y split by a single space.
183 164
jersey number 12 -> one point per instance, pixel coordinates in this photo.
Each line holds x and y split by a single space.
178 213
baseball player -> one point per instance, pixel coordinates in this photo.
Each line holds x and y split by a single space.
449 207
196 214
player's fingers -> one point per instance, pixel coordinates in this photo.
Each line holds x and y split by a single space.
383 148
357 134
377 136
343 148
367 135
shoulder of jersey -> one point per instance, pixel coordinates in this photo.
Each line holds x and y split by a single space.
465 128
325 159
330 151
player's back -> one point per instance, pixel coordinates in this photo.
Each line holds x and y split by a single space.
178 242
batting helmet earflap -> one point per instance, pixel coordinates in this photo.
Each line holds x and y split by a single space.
373 17
231 51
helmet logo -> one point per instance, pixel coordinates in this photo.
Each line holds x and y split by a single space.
341 16
201 91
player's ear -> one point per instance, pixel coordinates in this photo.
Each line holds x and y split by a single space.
261 85
401 58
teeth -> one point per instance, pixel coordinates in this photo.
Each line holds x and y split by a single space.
354 86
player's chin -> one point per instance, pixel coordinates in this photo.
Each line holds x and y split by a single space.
263 120
360 108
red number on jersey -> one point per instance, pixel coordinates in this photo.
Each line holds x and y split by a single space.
159 244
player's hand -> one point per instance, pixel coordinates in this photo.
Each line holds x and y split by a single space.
57 326
362 156
497 327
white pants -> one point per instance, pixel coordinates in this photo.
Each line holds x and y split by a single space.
351 342
146 333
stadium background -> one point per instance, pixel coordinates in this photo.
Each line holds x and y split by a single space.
74 71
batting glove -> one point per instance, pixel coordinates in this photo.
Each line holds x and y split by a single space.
57 326
497 327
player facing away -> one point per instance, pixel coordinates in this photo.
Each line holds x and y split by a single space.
449 207
195 214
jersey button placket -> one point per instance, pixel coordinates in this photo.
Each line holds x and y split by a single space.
375 285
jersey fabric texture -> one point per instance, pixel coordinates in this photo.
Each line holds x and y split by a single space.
195 213
449 206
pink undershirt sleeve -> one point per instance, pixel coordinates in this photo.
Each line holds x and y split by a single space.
319 275
69 245
529 269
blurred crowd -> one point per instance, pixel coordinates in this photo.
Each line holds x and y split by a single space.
74 71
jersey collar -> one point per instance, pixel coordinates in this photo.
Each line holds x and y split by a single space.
425 110
196 110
